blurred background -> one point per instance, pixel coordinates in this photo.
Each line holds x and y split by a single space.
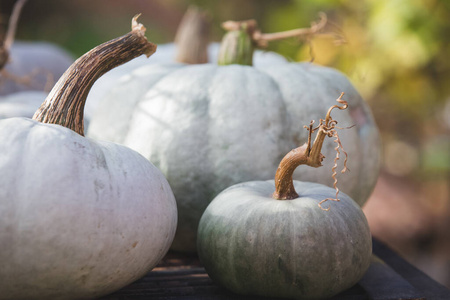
396 53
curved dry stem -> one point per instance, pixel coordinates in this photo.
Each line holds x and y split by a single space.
310 155
65 103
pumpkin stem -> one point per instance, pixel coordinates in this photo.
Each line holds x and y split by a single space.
237 45
243 37
192 37
11 32
65 103
309 154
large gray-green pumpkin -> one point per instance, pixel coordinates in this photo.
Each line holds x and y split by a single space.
79 218
208 127
191 46
253 244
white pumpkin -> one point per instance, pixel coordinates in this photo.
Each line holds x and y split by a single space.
79 218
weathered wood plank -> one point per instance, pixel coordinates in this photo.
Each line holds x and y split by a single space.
182 277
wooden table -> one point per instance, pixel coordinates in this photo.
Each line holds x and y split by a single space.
183 277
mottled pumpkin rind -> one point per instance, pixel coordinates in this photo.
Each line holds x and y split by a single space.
208 127
79 218
255 245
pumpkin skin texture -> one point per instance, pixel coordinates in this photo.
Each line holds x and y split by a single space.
253 244
21 104
80 218
208 124
307 90
43 62
166 54
207 127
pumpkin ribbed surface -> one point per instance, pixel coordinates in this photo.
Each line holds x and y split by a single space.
253 244
79 218
207 127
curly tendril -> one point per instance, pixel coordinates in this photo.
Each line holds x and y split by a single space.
328 126
310 154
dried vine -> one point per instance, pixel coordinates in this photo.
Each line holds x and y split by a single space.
309 154
256 39
329 127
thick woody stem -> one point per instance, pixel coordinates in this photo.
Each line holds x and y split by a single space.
284 184
65 103
237 45
192 37
307 154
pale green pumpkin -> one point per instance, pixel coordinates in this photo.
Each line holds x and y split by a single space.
253 244
80 218
274 238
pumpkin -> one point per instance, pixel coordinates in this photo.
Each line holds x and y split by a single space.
262 238
80 218
21 104
201 125
191 46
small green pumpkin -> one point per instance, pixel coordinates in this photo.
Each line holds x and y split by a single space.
262 238
80 218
